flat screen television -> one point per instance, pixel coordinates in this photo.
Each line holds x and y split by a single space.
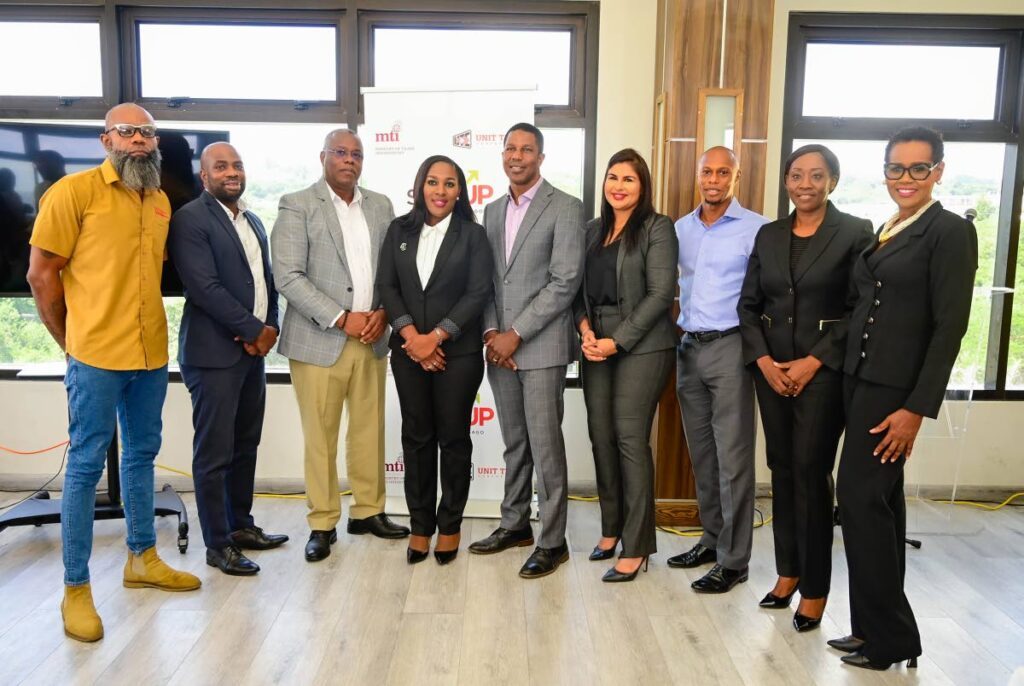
34 156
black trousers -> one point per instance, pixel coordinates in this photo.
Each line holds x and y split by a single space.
801 438
873 513
227 415
436 411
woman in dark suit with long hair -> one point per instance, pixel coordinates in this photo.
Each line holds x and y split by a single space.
435 276
794 311
913 287
623 314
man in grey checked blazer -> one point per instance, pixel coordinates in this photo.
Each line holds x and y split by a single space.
325 246
536 233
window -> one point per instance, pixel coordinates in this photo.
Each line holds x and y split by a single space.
847 88
59 59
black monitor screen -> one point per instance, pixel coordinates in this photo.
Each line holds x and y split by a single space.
34 156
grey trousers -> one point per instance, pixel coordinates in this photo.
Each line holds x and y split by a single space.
621 394
530 408
716 398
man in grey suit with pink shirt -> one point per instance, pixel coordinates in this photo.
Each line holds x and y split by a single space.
536 234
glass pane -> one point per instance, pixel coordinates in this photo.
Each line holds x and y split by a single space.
409 57
1015 363
719 120
50 58
23 337
563 160
972 179
912 81
238 61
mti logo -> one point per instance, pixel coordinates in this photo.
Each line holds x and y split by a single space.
392 136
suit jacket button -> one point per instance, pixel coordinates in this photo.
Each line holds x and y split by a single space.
878 284
789 320
863 355
871 320
349 289
791 291
877 302
506 282
866 336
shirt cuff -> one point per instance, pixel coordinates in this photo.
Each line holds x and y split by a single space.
334 322
487 331
403 321
449 327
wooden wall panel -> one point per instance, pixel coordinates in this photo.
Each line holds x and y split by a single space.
698 60
752 164
748 47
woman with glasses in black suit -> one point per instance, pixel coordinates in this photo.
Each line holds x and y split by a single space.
435 276
913 300
794 311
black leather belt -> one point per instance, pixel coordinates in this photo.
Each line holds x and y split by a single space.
708 336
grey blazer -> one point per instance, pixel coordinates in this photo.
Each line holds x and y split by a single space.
535 287
646 281
311 271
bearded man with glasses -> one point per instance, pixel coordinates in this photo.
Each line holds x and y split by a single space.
95 266
325 245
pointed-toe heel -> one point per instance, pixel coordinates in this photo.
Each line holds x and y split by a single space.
443 557
861 660
600 553
804 623
847 644
415 556
615 576
777 602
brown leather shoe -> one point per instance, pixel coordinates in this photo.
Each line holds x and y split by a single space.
81 621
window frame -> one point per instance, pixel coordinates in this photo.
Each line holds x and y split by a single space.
1006 32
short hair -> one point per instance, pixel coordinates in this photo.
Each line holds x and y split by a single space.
528 128
831 161
924 134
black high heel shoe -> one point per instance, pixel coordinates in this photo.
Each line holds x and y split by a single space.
860 660
414 556
776 602
600 553
614 576
443 557
847 644
804 623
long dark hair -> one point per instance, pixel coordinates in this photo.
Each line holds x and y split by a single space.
417 216
644 207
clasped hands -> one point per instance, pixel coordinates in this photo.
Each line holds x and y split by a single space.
367 327
262 344
789 378
500 347
597 349
424 348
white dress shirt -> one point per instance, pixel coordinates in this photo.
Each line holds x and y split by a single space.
431 238
356 236
253 255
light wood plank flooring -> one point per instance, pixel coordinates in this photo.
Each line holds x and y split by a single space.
363 616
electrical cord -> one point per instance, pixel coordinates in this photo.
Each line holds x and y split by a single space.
63 459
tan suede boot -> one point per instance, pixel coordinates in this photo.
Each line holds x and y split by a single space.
149 571
81 622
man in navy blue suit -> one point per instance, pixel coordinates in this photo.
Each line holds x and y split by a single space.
228 327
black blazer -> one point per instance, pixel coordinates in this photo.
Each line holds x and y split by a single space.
219 291
788 315
646 284
461 283
913 303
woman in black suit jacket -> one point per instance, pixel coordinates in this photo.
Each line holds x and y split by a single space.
435 276
913 286
623 314
794 312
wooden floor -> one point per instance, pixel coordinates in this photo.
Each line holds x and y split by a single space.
364 616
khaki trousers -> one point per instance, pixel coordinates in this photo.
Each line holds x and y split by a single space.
357 378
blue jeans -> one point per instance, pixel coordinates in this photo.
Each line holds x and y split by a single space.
95 397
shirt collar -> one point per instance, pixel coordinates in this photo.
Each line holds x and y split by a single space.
527 196
242 207
734 211
357 197
441 227
110 174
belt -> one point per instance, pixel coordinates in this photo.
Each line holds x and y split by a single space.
708 336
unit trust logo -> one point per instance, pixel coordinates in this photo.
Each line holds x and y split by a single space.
466 139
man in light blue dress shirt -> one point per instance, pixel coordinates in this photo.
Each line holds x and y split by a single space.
715 389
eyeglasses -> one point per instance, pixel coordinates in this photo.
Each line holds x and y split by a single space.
918 172
342 153
128 130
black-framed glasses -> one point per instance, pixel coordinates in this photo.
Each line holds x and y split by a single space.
918 172
342 153
128 130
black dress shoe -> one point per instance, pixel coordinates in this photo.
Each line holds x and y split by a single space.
613 575
254 538
694 557
847 644
776 602
544 561
502 539
230 560
379 525
804 623
414 556
719 580
600 553
319 544
860 660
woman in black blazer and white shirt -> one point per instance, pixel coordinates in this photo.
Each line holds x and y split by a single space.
435 276
914 287
623 314
794 310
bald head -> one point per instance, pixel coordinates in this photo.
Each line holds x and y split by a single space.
342 159
127 113
332 139
717 174
222 173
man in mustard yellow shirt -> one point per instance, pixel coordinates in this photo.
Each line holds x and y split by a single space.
95 266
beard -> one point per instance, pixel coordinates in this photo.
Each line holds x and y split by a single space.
137 173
